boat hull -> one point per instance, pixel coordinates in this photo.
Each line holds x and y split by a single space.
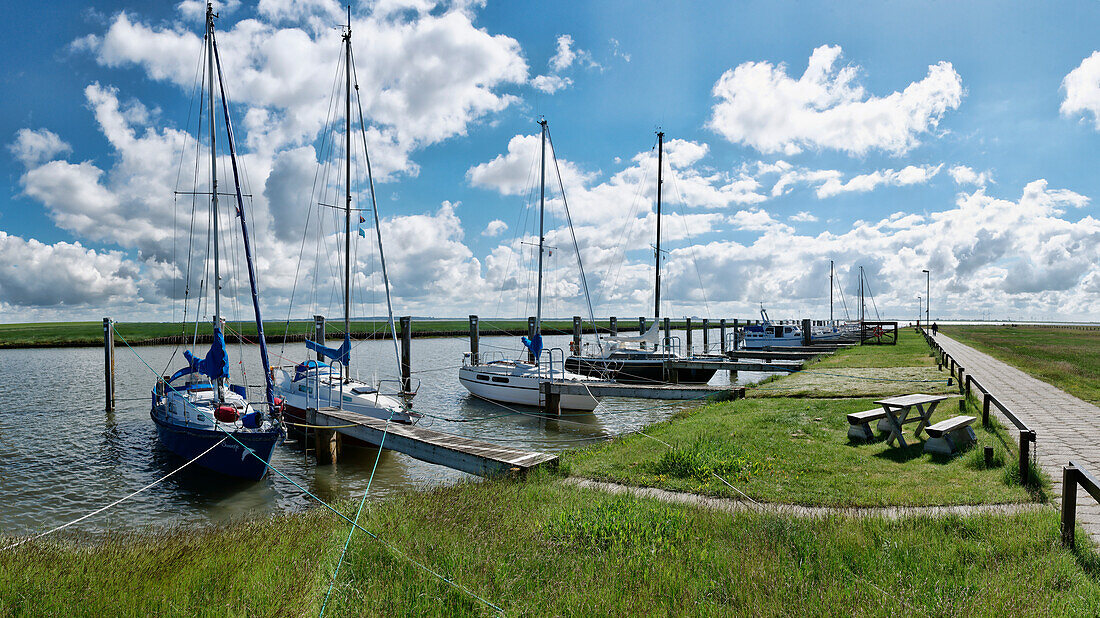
522 390
641 371
230 457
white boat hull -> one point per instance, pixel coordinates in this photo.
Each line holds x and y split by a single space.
509 383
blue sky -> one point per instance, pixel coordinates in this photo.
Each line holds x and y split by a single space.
956 136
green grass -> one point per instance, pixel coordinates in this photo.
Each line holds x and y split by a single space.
910 351
1068 359
797 451
541 548
73 334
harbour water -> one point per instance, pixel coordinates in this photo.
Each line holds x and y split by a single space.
62 456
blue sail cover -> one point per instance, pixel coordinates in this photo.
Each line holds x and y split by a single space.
216 363
341 354
534 344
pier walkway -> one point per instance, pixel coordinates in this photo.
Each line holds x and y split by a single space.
1067 427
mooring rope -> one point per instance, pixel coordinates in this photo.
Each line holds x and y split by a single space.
116 502
328 506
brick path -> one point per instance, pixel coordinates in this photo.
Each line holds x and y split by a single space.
1065 427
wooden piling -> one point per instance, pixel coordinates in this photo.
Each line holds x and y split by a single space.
551 399
722 335
687 339
327 442
641 325
706 335
532 324
406 354
807 333
614 324
475 336
319 333
109 364
735 334
1026 438
985 409
576 334
668 335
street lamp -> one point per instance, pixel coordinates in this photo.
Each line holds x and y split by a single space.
927 295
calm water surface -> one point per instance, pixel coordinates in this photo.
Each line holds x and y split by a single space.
62 456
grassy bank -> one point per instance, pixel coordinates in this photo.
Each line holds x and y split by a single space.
1068 359
77 334
538 547
797 451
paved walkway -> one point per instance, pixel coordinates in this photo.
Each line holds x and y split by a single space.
1065 427
795 510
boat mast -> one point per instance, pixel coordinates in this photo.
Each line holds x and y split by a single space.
657 253
831 293
542 213
220 383
862 303
347 192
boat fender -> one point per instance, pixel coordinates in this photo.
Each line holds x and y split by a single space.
226 414
252 420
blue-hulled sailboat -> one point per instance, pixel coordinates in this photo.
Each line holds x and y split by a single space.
197 410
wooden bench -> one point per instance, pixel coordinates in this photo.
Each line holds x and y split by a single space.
946 437
860 423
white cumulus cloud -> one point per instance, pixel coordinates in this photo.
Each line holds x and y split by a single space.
762 106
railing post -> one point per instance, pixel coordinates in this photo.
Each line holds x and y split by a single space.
475 336
406 354
109 364
1026 436
969 379
613 322
576 334
722 335
985 409
319 333
1069 506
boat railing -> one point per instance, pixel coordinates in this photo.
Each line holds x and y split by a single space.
549 366
671 345
484 358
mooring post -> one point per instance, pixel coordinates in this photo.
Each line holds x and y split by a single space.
406 354
109 364
319 333
1069 506
722 335
807 336
687 339
1026 437
735 334
985 409
576 334
613 323
326 441
531 325
668 335
641 325
551 400
475 335
706 335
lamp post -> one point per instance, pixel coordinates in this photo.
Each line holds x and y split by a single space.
927 295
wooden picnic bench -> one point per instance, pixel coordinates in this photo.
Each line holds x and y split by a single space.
860 423
948 436
898 409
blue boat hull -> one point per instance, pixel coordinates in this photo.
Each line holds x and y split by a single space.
229 458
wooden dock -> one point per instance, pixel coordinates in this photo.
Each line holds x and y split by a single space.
647 391
458 452
767 355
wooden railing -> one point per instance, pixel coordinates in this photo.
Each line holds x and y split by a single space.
1073 475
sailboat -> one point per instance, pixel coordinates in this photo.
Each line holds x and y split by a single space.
196 410
315 383
519 381
769 335
643 359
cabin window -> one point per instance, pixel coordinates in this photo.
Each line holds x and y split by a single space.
498 379
786 331
301 388
482 376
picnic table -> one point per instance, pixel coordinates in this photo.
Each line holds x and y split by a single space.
898 411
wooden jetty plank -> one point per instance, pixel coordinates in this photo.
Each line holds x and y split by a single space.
784 366
774 354
648 391
458 452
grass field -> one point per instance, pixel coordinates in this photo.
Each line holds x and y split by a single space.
538 548
71 334
1068 359
797 451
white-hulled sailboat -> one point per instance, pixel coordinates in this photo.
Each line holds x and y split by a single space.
315 383
519 381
